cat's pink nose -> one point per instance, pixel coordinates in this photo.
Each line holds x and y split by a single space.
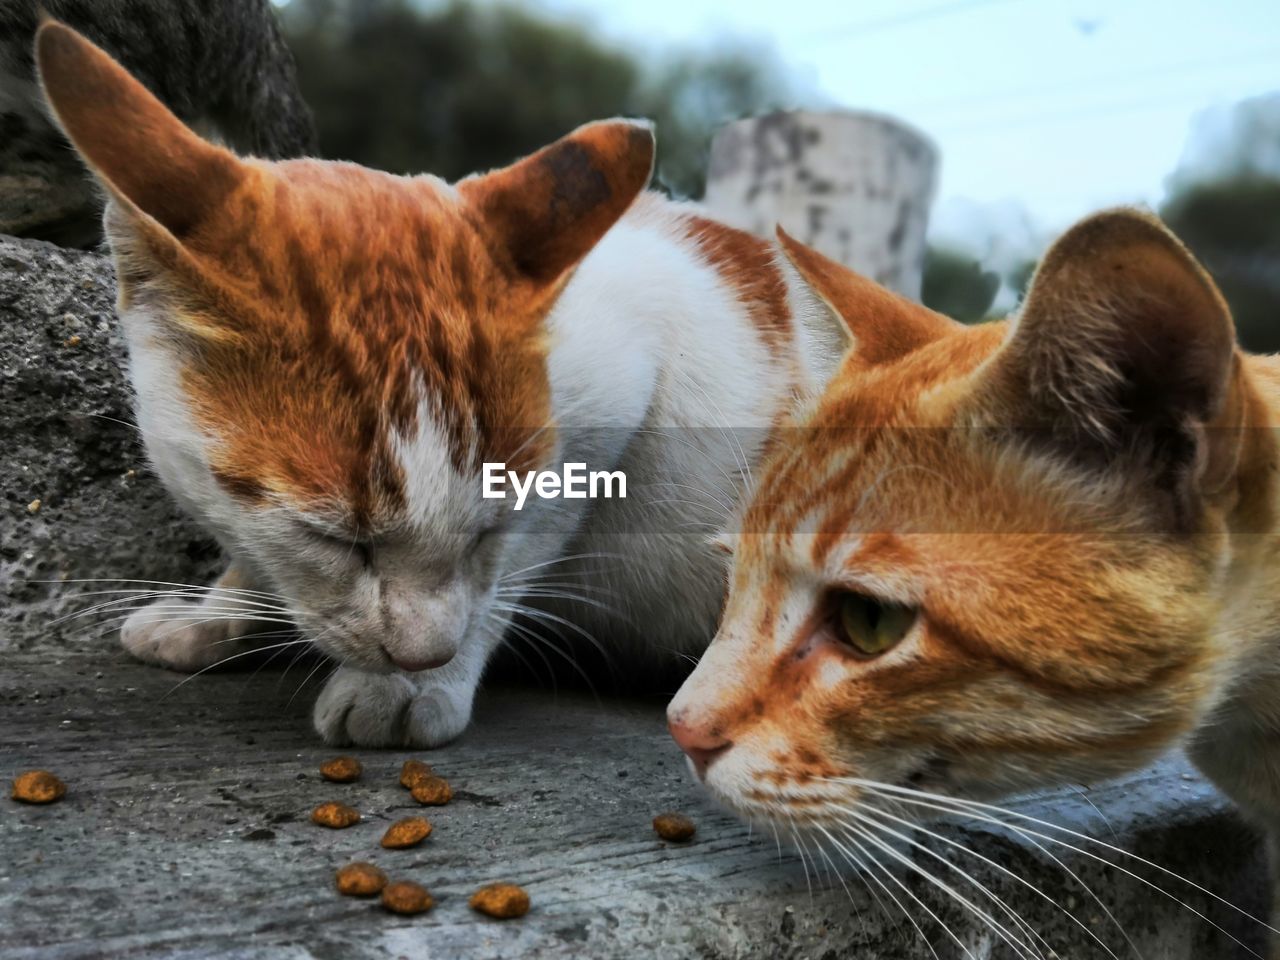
702 744
412 665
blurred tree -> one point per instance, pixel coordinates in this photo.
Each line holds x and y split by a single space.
460 87
1233 226
1224 202
956 285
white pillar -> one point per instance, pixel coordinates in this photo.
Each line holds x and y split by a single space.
856 186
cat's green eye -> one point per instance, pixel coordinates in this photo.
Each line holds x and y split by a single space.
871 627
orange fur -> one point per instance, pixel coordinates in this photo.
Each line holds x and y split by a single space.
1079 506
309 297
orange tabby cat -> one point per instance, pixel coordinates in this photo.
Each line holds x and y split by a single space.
328 360
1004 556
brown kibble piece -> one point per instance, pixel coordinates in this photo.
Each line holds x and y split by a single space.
405 897
432 791
335 815
38 786
408 832
360 880
674 826
413 771
341 769
501 900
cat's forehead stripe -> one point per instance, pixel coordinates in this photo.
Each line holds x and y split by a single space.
345 321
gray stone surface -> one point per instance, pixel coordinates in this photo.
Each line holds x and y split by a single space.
66 440
186 834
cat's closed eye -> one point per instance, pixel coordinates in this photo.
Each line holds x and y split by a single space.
350 549
870 627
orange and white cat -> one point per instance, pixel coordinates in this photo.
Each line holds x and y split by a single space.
999 557
325 356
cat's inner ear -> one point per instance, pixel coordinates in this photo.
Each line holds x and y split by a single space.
544 213
145 156
1124 346
877 324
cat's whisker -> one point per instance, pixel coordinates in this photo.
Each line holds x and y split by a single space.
185 680
804 861
533 435
547 563
868 868
1016 943
661 500
149 598
535 613
560 595
834 870
501 624
742 460
859 872
865 817
776 842
124 423
537 639
307 679
975 810
693 446
589 587
1043 850
728 510
165 583
205 593
1084 795
876 811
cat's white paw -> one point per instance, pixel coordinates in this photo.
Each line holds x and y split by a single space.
388 710
179 639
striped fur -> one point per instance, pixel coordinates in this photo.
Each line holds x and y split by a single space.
1080 502
325 356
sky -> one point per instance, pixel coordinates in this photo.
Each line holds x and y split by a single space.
1052 107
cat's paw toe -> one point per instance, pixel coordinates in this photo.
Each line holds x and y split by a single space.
435 718
177 638
386 710
366 709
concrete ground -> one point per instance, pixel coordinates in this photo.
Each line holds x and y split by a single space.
185 833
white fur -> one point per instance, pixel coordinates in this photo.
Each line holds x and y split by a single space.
655 369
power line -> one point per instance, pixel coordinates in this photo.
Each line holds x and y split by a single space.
878 24
1035 119
1105 79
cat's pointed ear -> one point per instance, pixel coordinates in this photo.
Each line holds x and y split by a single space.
1123 353
145 156
544 213
877 324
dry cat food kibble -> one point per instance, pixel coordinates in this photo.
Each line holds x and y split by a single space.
341 769
432 791
38 786
501 900
413 771
674 826
335 815
360 880
405 897
408 832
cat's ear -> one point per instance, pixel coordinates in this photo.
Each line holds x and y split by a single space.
544 213
1123 354
877 324
144 155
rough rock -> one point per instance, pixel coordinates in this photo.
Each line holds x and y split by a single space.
79 502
